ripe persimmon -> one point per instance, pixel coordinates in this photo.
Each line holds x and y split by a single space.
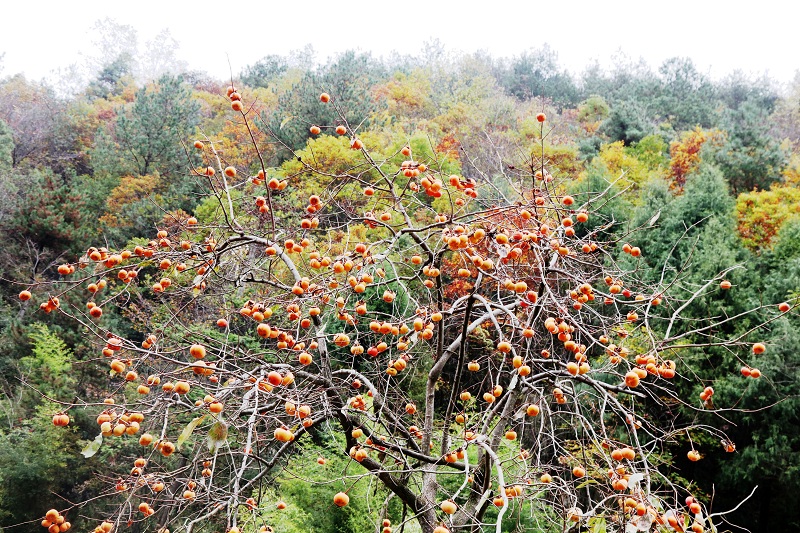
620 484
283 435
632 379
197 351
166 448
341 499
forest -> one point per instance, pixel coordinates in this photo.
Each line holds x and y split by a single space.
426 229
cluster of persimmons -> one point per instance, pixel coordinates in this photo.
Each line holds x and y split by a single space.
276 326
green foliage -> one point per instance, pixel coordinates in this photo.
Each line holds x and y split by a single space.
210 207
704 199
327 151
350 78
625 81
593 110
51 211
615 207
750 158
6 146
693 238
536 73
652 151
686 98
787 248
701 222
677 98
627 122
37 459
149 134
34 461
766 440
48 369
309 497
112 78
738 88
265 71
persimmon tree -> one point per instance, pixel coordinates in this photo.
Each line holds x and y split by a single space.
483 350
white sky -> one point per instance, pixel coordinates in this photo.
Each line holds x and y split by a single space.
755 37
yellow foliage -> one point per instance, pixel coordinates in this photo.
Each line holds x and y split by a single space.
791 174
234 146
761 214
331 153
407 95
131 189
559 159
620 162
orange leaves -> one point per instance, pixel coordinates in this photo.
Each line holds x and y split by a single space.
459 285
131 189
234 140
449 146
685 153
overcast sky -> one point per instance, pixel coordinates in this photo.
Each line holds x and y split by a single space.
755 37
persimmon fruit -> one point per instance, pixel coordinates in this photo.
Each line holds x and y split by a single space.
340 499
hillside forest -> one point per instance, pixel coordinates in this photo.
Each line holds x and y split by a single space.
701 175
